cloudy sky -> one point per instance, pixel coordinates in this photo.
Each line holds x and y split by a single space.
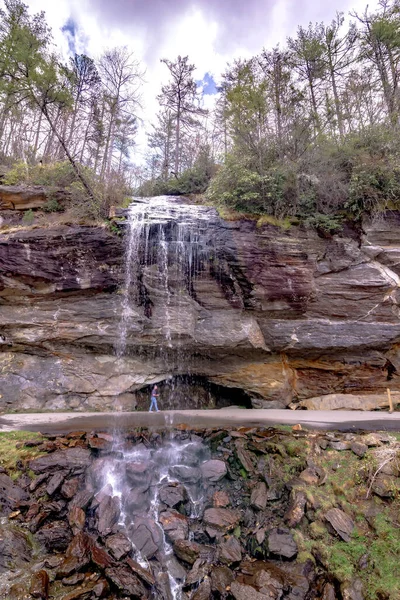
211 32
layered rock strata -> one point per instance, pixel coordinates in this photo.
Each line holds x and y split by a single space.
289 317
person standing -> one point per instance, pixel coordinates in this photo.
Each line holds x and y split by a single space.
153 399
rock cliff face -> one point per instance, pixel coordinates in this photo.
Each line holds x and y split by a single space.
285 316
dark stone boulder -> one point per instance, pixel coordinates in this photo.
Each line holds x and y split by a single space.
55 536
230 551
100 556
259 496
213 470
189 551
359 448
14 548
146 536
127 582
281 543
340 522
352 590
108 513
137 501
76 519
203 592
185 474
173 494
55 482
241 591
175 525
221 579
73 459
70 487
77 556
295 512
82 499
140 474
119 545
386 486
140 571
11 495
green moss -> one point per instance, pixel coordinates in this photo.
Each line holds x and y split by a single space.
11 455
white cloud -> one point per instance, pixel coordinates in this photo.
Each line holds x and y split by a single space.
211 32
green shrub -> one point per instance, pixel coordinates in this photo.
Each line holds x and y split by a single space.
19 173
28 217
52 205
373 188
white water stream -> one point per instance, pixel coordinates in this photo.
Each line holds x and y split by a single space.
165 242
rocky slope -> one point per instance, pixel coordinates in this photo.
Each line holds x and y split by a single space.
286 317
277 515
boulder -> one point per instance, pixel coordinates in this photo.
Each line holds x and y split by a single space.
221 519
54 536
139 474
39 587
241 591
127 582
74 459
77 556
119 545
221 579
230 551
108 513
259 496
173 494
11 495
281 543
15 551
341 523
189 551
76 519
359 448
146 536
213 470
137 501
185 474
295 512
174 524
221 499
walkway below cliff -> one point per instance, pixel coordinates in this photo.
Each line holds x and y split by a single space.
232 417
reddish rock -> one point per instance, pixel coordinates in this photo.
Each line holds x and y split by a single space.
70 487
144 574
127 582
259 496
189 552
222 519
174 524
119 545
221 500
76 519
39 587
77 556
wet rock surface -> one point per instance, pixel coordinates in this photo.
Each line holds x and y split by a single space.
287 316
226 535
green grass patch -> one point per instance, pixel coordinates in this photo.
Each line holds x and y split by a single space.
11 455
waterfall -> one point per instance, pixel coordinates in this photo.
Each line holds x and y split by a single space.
168 245
141 476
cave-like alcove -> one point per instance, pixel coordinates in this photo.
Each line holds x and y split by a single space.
185 392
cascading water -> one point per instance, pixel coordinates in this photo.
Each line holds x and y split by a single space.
168 245
166 248
149 482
